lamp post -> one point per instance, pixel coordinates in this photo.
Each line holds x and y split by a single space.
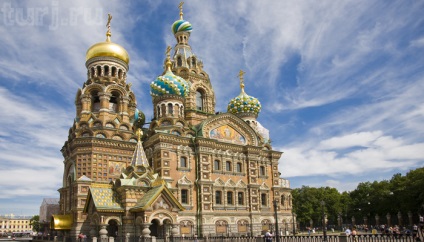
277 236
324 227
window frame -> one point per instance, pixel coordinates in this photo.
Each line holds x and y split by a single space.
218 197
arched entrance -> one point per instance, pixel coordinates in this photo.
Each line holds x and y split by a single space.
160 230
154 228
112 228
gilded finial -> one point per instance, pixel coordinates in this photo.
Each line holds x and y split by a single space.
139 133
180 6
168 62
168 51
240 75
108 33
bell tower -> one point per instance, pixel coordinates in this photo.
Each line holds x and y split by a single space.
200 102
101 140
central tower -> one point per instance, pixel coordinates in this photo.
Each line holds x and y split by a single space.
200 102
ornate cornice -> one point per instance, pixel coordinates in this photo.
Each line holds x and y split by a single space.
106 59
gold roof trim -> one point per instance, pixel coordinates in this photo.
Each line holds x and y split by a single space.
61 222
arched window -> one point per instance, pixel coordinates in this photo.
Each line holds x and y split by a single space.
216 165
170 109
230 198
179 61
239 167
113 102
218 197
199 100
240 198
95 101
228 166
99 70
106 70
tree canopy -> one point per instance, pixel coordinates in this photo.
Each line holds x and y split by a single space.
396 199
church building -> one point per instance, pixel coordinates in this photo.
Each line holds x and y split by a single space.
189 171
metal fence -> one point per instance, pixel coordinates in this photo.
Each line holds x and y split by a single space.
297 238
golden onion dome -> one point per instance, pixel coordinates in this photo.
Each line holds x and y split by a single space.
108 48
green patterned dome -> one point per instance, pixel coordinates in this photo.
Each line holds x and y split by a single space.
181 26
244 103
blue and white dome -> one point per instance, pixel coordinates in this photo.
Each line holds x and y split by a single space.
169 84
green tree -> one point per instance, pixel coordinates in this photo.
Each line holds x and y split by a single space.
35 222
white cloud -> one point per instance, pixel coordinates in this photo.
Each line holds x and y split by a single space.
363 139
377 153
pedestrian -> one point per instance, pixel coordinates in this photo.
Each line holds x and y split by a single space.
80 237
348 232
268 236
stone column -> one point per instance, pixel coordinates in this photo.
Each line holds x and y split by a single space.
104 101
388 219
103 234
377 220
174 230
145 231
124 101
85 103
399 215
93 231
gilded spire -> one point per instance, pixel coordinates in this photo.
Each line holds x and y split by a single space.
180 6
139 133
139 157
168 62
240 75
108 33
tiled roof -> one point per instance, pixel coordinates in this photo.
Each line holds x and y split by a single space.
105 198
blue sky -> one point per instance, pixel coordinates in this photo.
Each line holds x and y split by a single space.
341 82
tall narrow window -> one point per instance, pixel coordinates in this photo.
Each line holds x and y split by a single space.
95 102
229 197
262 170
263 199
216 165
238 167
179 61
184 196
183 162
218 197
170 109
199 100
240 198
228 165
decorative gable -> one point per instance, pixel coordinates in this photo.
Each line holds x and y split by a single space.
229 128
230 183
219 182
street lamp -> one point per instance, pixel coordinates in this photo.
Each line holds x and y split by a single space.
277 236
324 227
